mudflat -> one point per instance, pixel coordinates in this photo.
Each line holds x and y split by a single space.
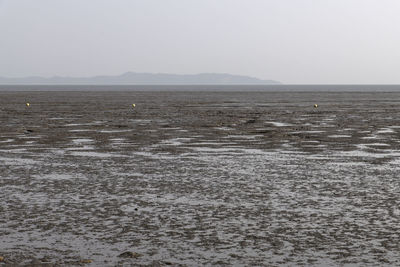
200 178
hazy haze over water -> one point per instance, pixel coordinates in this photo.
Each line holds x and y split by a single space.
293 41
379 89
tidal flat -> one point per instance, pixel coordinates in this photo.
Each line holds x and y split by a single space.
199 178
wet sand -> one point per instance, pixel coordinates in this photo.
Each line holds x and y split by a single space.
200 178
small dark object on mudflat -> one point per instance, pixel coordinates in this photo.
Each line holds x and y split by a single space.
129 254
29 131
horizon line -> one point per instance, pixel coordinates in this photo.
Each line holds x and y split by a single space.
200 84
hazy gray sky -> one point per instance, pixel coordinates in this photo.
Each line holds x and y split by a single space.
293 41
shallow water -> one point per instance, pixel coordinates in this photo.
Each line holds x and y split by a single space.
200 178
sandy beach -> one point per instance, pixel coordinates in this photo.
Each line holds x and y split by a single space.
200 178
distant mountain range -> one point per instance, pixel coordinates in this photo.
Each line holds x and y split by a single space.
131 78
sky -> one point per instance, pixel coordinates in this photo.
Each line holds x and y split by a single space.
292 41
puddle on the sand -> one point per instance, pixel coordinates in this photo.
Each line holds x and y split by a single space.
377 144
371 137
313 132
170 128
226 150
347 164
339 136
14 149
75 124
385 131
82 140
83 124
243 136
224 128
175 141
9 140
208 143
279 124
115 131
82 147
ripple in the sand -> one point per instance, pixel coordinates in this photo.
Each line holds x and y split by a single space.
94 154
55 176
175 141
371 151
118 140
17 161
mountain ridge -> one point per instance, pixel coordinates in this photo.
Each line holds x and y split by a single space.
141 78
